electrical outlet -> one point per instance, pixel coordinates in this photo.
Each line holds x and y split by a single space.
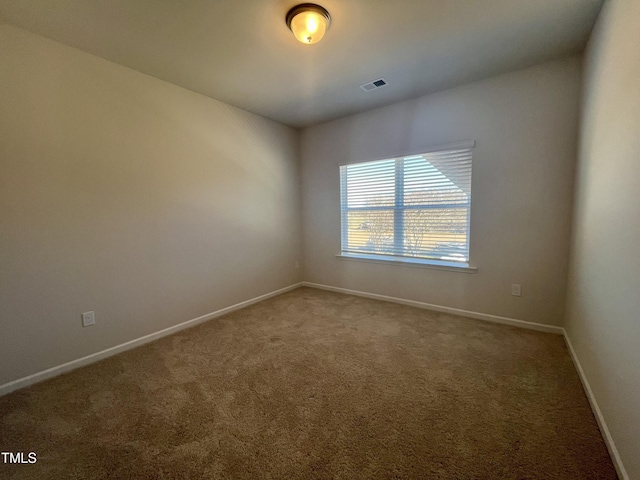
516 290
88 319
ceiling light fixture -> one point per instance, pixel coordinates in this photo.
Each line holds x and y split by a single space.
308 22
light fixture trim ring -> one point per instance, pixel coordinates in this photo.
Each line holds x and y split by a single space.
306 7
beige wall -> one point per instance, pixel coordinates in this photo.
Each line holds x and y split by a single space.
526 126
126 195
603 314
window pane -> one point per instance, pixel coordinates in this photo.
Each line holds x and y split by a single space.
370 231
439 234
424 184
371 184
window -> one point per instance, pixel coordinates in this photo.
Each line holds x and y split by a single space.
412 209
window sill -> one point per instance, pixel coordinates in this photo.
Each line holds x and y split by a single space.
409 262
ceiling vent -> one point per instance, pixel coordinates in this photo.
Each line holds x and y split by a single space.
367 87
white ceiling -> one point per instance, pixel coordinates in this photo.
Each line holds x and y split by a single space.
241 52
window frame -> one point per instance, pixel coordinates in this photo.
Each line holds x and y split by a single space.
398 219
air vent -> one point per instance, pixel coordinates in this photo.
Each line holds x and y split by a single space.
367 87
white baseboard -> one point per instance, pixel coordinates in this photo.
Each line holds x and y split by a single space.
604 429
439 308
109 352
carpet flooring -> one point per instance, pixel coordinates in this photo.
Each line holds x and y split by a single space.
316 385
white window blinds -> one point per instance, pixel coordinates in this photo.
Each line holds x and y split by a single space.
415 206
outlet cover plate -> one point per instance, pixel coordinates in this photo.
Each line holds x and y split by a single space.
88 319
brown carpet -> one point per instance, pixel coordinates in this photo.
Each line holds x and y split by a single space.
313 384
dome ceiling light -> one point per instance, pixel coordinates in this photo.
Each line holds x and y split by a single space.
308 22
